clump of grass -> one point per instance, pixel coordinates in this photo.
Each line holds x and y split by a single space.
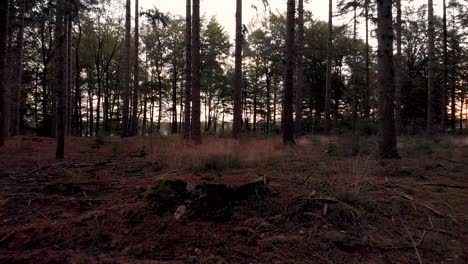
215 154
350 178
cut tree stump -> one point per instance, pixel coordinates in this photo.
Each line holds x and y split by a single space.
211 200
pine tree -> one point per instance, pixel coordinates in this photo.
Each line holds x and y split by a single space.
237 125
4 13
288 109
386 80
196 77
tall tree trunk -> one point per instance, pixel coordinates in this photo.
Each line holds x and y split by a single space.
443 114
174 125
387 144
106 106
453 109
4 12
65 66
126 74
145 98
196 70
300 68
462 105
77 97
329 67
136 73
16 78
188 68
158 126
430 69
398 70
61 49
354 82
91 110
288 109
367 88
237 124
70 78
98 105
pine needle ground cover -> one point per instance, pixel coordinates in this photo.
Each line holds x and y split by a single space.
152 200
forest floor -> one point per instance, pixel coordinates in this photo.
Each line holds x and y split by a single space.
320 204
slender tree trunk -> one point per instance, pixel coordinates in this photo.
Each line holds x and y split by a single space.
145 98
196 70
430 70
77 104
275 101
174 98
69 102
126 74
300 68
106 106
4 13
158 126
398 70
329 68
65 66
61 49
462 105
136 74
453 110
268 99
188 68
288 109
367 88
98 106
91 110
354 82
443 115
237 124
16 78
387 144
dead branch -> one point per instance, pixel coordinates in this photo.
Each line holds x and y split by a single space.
412 241
455 161
446 185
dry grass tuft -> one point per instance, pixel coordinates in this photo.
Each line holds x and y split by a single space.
214 154
350 178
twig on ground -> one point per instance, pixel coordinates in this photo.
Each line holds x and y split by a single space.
455 161
446 185
412 241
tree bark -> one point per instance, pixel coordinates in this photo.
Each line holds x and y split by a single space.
126 75
398 70
387 144
16 78
196 70
430 69
4 13
288 109
237 124
329 68
354 82
61 49
443 114
367 88
300 68
188 68
453 109
136 74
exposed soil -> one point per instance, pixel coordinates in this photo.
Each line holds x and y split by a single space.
320 206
